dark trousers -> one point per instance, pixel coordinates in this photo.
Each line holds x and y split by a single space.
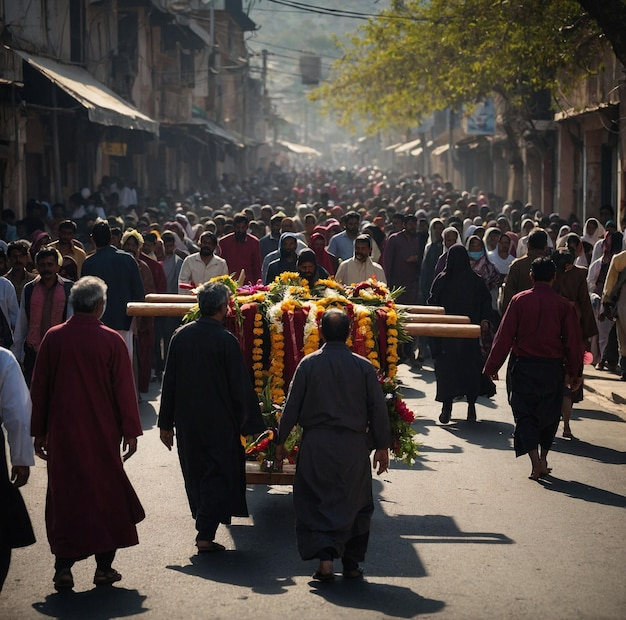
103 561
206 528
353 552
536 399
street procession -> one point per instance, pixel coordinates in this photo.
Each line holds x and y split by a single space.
312 309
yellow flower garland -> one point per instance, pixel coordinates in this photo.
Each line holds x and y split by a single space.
257 353
392 343
277 365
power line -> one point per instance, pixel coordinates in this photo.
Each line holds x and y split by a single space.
291 49
321 10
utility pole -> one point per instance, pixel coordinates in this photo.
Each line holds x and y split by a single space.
264 72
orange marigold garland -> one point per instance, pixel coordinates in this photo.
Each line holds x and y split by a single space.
392 343
257 352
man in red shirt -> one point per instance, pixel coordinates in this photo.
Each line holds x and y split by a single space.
241 251
541 331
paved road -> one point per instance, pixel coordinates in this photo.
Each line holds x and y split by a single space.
463 534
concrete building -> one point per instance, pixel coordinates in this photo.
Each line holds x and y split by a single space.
154 92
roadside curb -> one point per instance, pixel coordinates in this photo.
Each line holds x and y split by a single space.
613 390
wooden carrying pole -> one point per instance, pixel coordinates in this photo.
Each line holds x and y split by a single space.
162 298
443 330
421 309
436 318
145 309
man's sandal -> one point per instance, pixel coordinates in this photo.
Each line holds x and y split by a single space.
106 577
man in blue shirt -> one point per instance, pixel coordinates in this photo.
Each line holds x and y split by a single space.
342 244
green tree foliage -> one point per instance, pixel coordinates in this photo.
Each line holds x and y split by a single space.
419 57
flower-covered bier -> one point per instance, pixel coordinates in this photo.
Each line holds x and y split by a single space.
278 324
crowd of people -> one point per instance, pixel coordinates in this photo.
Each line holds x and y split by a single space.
65 267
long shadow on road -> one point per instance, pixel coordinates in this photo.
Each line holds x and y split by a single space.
97 604
389 600
266 560
590 451
586 492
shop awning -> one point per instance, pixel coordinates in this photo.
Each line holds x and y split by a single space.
440 150
300 149
407 146
103 106
210 128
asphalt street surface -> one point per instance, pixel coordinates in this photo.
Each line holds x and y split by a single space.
462 534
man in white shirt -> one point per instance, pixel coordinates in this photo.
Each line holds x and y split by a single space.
15 410
202 266
360 267
501 256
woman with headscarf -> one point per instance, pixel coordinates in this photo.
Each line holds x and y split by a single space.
324 258
69 269
458 361
491 238
184 245
526 227
592 232
39 239
612 244
481 265
451 237
468 228
378 241
561 238
432 252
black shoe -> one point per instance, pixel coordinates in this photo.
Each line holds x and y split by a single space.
446 413
471 412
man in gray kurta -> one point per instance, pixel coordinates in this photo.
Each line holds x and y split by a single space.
335 396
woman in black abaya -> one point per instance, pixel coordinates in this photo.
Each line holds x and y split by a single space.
458 361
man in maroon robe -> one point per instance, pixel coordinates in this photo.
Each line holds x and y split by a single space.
241 251
84 407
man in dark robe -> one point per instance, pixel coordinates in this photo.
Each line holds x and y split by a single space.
84 407
541 330
208 398
333 483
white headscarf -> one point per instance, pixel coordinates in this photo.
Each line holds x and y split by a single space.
598 234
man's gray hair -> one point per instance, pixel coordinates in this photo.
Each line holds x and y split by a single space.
86 293
211 297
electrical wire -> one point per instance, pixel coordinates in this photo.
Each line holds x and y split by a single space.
320 10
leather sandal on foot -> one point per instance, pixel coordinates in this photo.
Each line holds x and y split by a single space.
323 576
106 577
209 546
354 573
63 579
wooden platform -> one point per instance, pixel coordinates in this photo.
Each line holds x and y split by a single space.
255 476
